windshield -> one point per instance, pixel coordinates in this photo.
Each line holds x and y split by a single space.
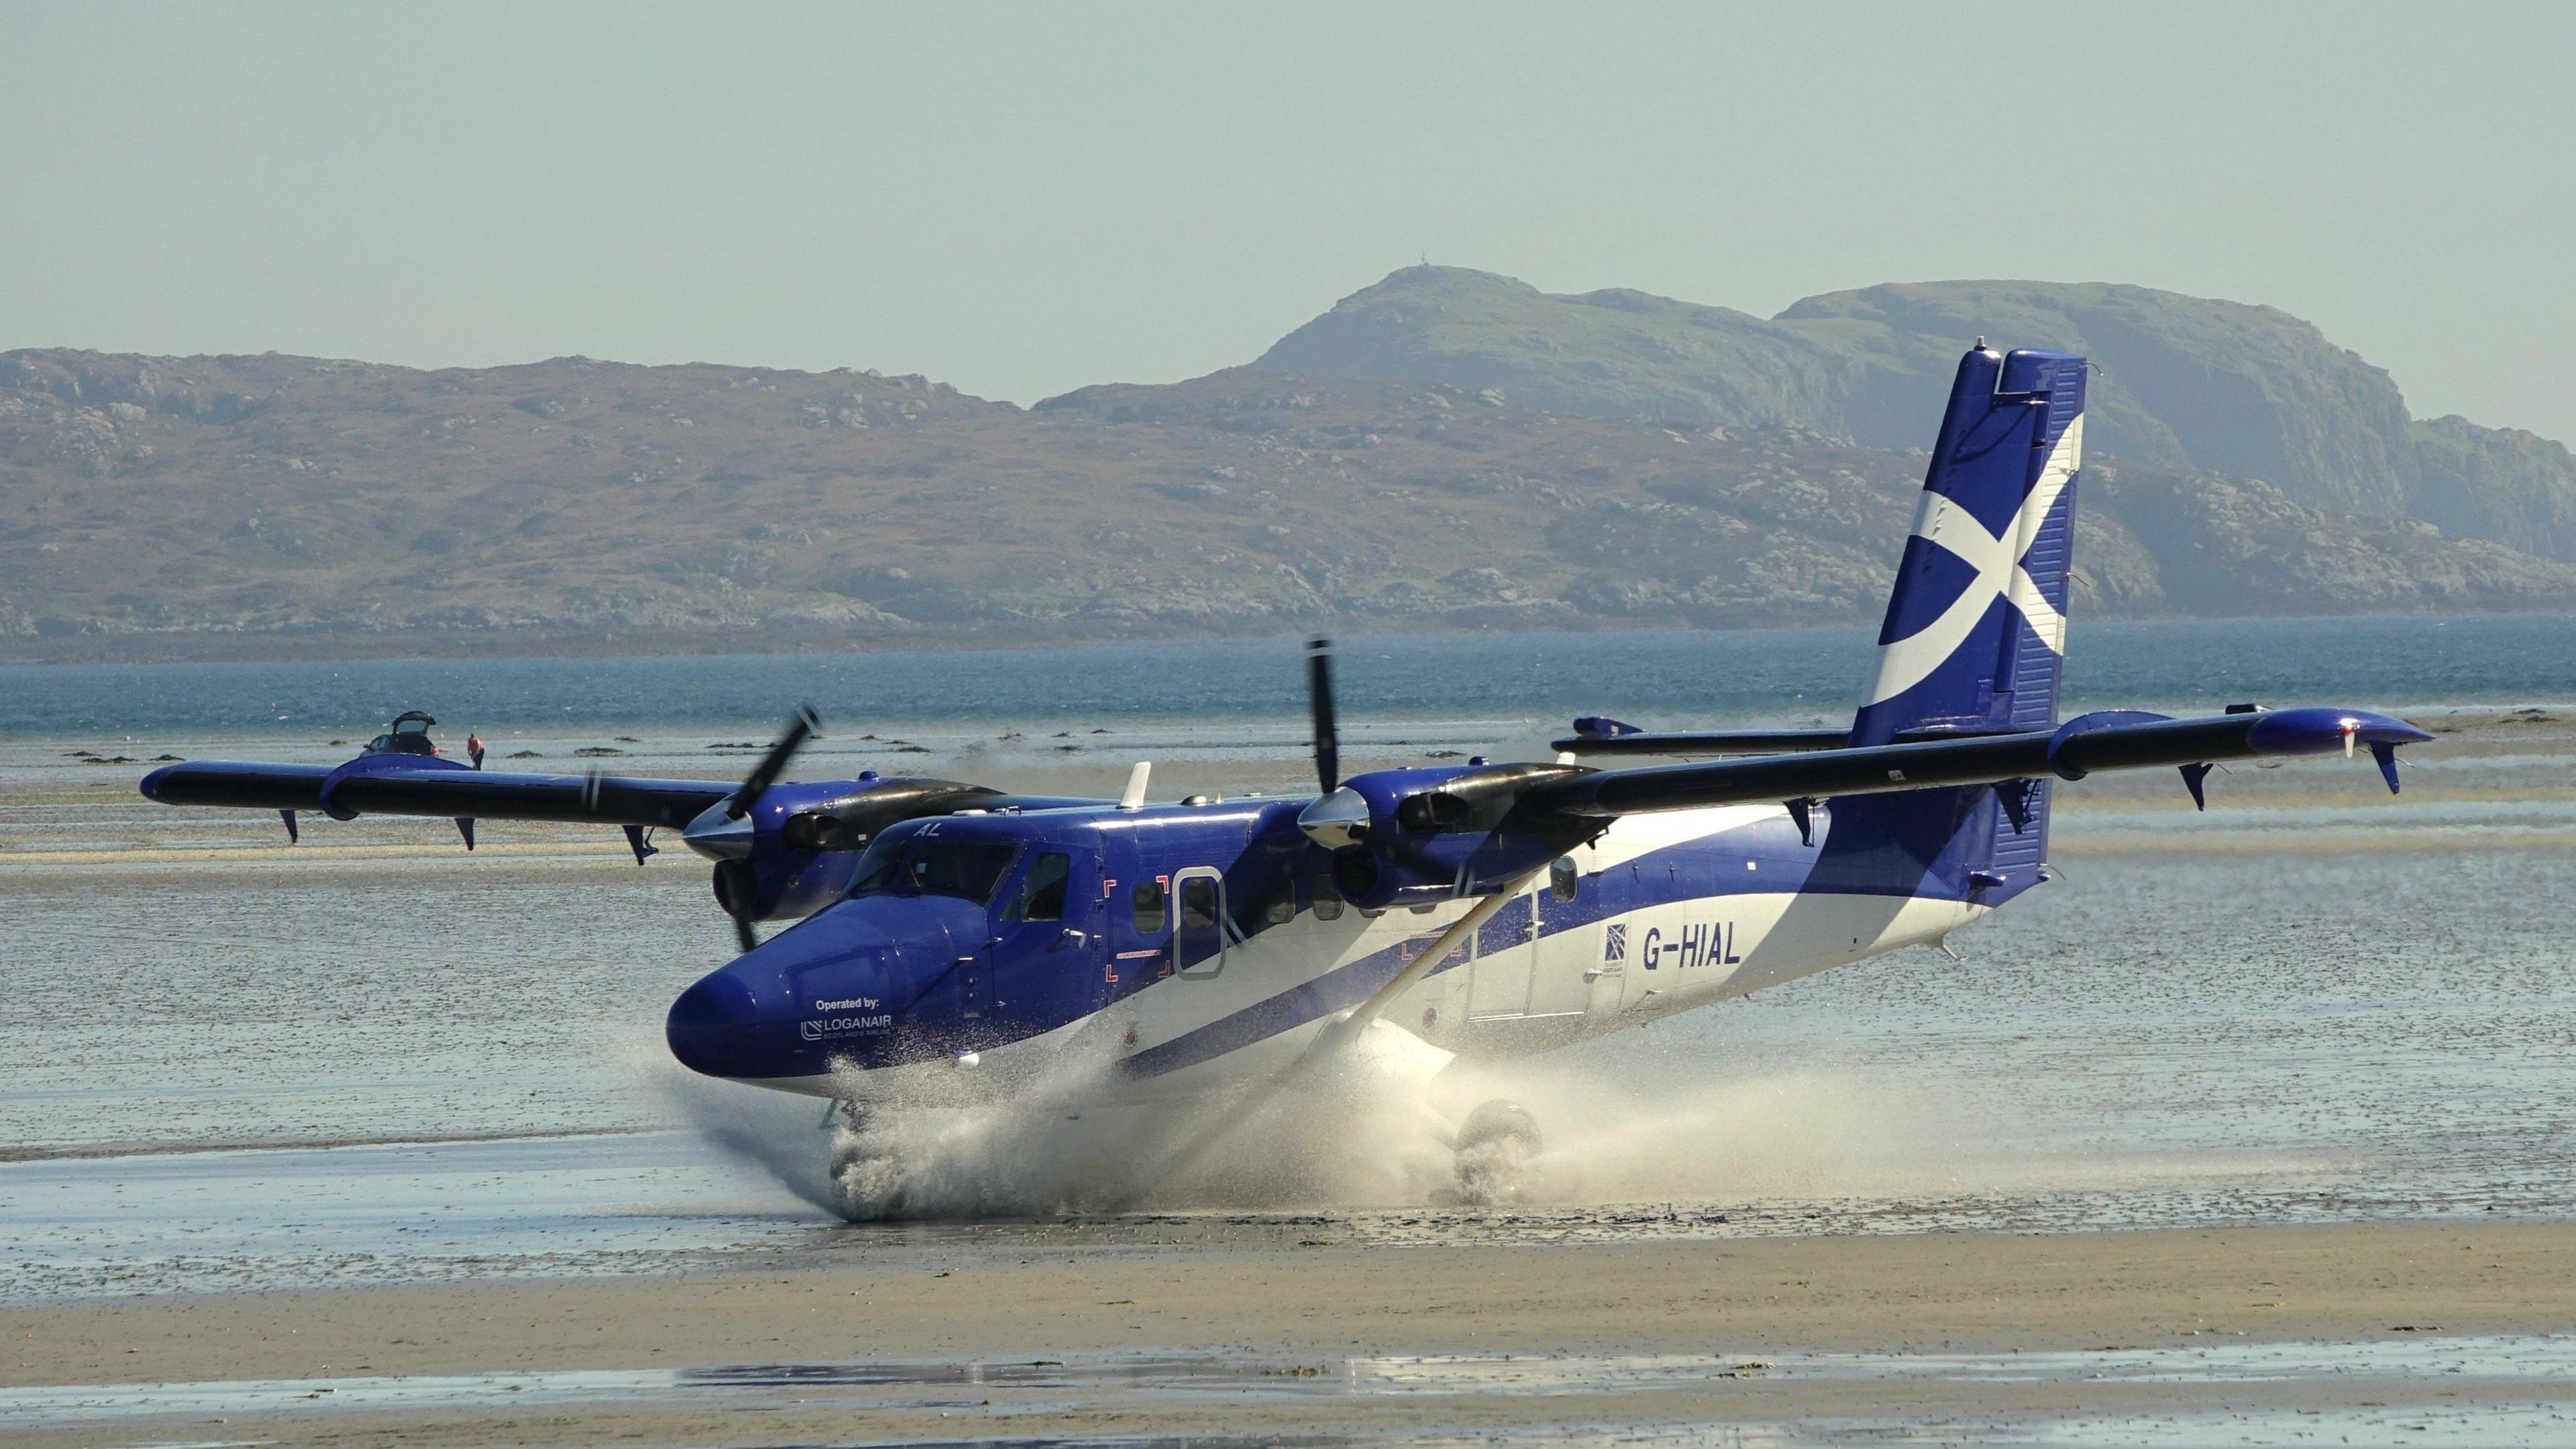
926 865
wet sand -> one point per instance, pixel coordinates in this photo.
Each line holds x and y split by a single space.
1263 1324
1666 1334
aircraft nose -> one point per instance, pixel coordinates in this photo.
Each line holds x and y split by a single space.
713 1026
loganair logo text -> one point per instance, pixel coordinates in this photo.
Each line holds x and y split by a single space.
821 1027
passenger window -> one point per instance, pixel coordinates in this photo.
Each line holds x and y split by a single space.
1283 904
1198 903
1041 896
1198 945
1147 901
1562 881
1328 899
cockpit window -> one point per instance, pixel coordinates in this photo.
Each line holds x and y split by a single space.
1041 893
928 865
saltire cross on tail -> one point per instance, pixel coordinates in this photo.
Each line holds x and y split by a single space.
957 943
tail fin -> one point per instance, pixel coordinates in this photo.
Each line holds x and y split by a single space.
1975 636
1976 628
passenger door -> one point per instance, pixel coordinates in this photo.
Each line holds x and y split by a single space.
1139 906
1560 985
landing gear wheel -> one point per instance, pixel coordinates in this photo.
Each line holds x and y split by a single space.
1495 1147
866 1179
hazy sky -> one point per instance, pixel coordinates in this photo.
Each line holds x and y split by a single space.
1024 199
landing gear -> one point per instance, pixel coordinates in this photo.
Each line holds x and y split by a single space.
865 1180
1495 1147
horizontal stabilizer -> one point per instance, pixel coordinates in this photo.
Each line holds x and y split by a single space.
1629 740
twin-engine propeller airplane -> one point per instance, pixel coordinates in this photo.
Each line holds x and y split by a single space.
956 943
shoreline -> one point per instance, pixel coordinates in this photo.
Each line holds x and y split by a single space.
361 646
929 1289
1278 1297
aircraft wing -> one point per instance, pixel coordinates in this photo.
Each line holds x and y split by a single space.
2110 740
248 786
450 792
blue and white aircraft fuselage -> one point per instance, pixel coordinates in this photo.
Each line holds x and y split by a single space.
955 944
1164 946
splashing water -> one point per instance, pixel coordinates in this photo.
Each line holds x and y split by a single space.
1620 1127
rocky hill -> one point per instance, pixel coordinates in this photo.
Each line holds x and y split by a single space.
241 506
2186 383
2500 483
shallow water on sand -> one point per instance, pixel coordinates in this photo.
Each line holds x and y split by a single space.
2163 1036
2515 1390
377 1058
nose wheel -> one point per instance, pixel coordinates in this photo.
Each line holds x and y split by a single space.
1495 1147
865 1176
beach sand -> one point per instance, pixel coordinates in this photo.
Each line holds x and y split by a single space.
1261 1326
1271 1298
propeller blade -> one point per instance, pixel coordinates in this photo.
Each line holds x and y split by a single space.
1319 695
743 933
803 724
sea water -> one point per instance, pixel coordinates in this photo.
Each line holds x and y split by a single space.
235 1064
1665 678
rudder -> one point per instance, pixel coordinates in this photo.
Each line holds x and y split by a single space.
1974 640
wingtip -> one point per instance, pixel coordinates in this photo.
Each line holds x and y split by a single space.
2315 730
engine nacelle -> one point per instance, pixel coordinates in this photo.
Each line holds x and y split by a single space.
1409 837
793 852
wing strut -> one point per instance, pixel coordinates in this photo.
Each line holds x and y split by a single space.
1338 1035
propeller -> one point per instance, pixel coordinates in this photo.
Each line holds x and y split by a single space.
1319 698
801 726
1338 819
1341 821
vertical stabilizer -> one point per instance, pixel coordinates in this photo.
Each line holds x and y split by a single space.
1975 637
1976 626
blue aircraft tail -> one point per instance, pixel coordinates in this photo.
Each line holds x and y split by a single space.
1976 628
1975 636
